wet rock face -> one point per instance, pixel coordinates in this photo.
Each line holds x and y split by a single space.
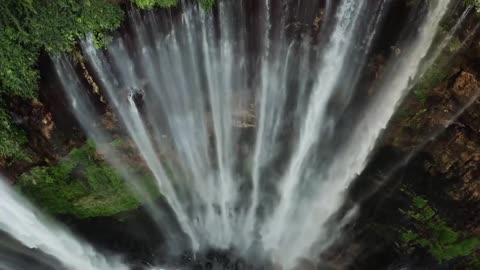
34 117
136 95
466 90
41 120
451 114
465 86
458 154
109 121
47 141
447 126
38 123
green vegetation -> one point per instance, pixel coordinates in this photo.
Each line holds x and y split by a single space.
431 232
474 3
147 4
28 27
152 3
12 139
207 3
438 71
82 185
432 77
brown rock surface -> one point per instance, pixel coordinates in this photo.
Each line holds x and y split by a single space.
446 127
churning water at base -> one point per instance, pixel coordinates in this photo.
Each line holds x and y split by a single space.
252 119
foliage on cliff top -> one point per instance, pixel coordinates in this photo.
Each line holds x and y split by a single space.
82 185
147 4
474 3
27 27
430 231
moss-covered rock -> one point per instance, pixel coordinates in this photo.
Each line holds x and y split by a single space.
82 185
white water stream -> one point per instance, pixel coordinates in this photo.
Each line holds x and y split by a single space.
27 225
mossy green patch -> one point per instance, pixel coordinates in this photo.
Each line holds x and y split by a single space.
439 70
82 185
148 4
435 74
431 232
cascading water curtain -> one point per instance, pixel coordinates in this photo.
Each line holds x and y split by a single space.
248 117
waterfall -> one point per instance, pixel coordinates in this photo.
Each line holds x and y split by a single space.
196 82
28 226
253 124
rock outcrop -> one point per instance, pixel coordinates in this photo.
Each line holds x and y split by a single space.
448 128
